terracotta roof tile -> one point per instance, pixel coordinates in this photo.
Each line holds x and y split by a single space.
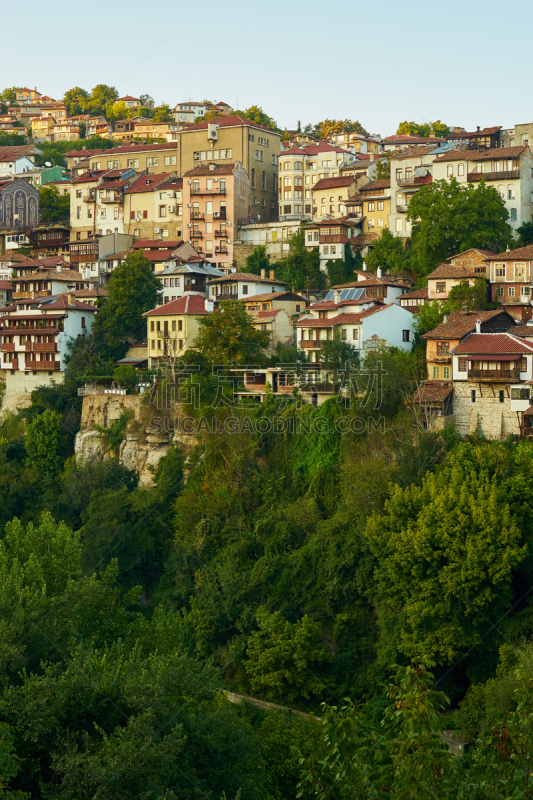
245 276
432 392
258 298
205 169
492 344
459 323
448 271
188 304
333 183
418 294
494 154
521 254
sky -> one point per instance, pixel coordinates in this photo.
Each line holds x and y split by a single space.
464 62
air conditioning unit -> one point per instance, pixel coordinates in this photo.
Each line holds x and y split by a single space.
189 225
215 180
156 230
170 194
171 209
189 182
189 205
137 219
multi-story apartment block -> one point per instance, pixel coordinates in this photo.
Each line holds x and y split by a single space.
97 202
41 129
511 276
445 277
521 134
358 142
75 157
376 199
129 101
153 207
35 339
332 237
98 126
241 285
186 277
215 197
365 165
226 140
27 95
66 131
300 169
480 139
190 111
507 169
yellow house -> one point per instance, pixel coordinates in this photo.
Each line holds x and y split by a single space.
376 206
173 328
41 128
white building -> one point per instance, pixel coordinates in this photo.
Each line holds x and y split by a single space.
35 339
241 285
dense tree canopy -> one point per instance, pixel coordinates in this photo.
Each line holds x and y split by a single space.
448 218
328 127
53 206
228 336
388 252
438 129
300 269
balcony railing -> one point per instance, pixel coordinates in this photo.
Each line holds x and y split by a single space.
415 180
311 344
220 214
214 190
494 176
221 234
221 249
197 235
197 214
89 198
50 366
496 375
8 347
227 296
401 208
41 347
11 364
117 198
26 329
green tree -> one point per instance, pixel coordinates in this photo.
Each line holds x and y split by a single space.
445 554
383 169
9 95
76 101
12 139
388 252
328 127
424 129
147 100
336 353
53 206
284 658
525 231
101 96
163 113
301 267
257 261
342 270
256 114
464 297
448 218
44 444
126 376
228 335
133 290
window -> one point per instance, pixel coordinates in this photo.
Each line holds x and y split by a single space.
473 395
443 348
298 165
399 225
264 181
450 170
78 193
372 206
462 366
525 290
371 223
169 160
137 232
326 250
513 214
520 394
398 174
446 373
245 288
355 333
500 270
381 205
510 192
102 213
440 287
253 179
522 364
461 169
501 395
380 223
510 291
406 336
436 372
333 249
78 212
499 291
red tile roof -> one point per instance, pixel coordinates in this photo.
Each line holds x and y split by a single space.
127 97
340 319
227 122
459 323
264 314
432 392
333 183
404 138
155 244
6 285
188 304
62 302
158 255
479 132
448 271
147 183
521 254
207 169
492 344
245 276
418 294
493 154
373 185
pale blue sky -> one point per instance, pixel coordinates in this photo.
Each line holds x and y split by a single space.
466 62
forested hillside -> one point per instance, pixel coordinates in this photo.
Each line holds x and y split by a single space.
387 572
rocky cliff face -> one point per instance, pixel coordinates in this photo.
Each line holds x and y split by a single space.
142 446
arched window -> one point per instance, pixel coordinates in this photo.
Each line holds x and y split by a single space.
461 169
501 192
298 165
287 165
253 178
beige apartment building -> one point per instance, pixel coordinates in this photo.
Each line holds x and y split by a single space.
330 195
153 207
231 139
97 203
215 197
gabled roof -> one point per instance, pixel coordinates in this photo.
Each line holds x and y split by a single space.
521 254
470 250
432 392
158 255
65 275
258 298
404 138
373 185
473 134
155 244
127 97
227 122
188 304
340 319
492 344
61 301
418 294
148 183
459 323
448 271
333 183
211 169
237 277
492 154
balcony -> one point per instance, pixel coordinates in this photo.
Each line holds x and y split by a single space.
116 198
32 293
401 208
8 347
222 249
415 180
227 296
221 234
41 347
333 239
48 366
197 214
197 235
513 175
26 329
494 375
311 344
214 190
220 214
89 198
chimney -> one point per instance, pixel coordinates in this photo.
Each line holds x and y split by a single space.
209 306
378 272
445 319
478 128
478 326
59 267
336 296
262 273
272 275
364 266
70 299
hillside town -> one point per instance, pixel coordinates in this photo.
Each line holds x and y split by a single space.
211 191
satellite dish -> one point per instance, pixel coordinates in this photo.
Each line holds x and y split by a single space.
234 269
47 164
421 172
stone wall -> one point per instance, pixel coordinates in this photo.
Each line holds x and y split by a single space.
487 415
